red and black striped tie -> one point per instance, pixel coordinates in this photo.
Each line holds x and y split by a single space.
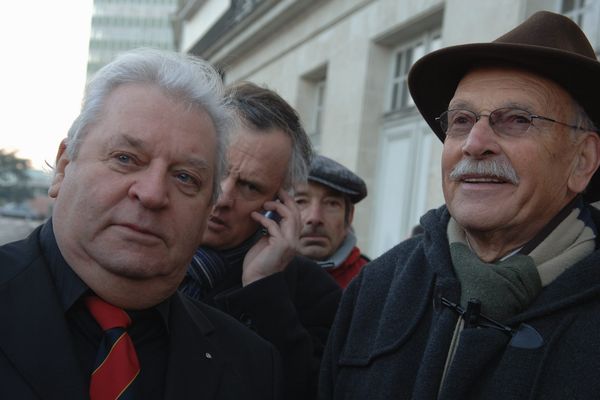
117 364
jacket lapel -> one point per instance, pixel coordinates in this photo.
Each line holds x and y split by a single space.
195 365
36 338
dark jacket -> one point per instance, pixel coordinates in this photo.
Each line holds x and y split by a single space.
392 334
38 361
293 309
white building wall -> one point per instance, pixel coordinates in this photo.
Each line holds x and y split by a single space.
198 24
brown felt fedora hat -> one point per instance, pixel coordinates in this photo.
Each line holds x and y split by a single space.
547 44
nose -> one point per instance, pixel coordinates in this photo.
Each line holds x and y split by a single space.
313 214
227 193
482 140
151 187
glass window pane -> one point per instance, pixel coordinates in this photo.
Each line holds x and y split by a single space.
436 43
406 98
398 64
403 61
567 5
408 61
419 51
394 104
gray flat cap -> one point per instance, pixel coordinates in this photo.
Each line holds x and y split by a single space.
334 175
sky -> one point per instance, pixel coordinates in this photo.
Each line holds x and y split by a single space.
44 48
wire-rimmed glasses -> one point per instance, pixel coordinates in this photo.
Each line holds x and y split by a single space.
506 121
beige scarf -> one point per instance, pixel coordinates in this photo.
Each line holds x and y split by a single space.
506 287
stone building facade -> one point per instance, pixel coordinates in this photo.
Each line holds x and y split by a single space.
343 65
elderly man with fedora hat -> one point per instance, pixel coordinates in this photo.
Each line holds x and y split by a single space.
326 204
499 298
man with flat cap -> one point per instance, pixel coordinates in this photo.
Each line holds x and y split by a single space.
499 298
326 204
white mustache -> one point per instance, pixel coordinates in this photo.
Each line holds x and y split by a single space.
498 168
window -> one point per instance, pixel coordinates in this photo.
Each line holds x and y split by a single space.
316 125
403 58
311 103
404 173
586 13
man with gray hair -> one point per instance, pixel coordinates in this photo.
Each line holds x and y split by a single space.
247 264
499 297
89 301
326 204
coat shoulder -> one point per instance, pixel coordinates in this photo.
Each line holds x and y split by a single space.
16 256
381 269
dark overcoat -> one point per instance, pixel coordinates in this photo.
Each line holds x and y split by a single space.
392 333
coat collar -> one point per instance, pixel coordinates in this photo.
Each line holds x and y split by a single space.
400 297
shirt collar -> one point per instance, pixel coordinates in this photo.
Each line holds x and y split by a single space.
342 253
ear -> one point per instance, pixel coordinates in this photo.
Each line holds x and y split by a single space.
62 161
587 160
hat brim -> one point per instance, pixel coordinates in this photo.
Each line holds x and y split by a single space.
433 79
353 195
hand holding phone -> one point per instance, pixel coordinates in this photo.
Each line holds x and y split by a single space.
272 214
277 244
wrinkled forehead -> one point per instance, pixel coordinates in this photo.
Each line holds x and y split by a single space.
490 87
260 155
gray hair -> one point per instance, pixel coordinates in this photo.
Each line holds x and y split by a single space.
263 109
186 78
581 119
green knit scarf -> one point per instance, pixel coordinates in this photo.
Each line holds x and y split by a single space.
506 287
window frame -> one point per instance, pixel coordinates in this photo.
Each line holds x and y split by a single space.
398 96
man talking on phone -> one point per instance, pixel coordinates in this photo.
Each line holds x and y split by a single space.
247 265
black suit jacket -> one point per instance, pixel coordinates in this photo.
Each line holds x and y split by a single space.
211 356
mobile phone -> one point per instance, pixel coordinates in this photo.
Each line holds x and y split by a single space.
272 214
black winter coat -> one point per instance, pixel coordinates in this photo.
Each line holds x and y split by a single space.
392 334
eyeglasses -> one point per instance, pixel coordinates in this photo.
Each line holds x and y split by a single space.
505 121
